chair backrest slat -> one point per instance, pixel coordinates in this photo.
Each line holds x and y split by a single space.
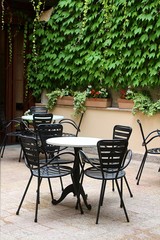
38 109
112 154
31 151
41 118
46 131
122 132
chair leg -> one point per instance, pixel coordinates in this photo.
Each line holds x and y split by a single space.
138 177
131 195
3 145
40 180
20 155
121 199
113 185
61 182
100 200
37 197
50 187
121 191
103 191
24 195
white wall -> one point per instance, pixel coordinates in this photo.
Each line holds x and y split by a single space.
100 123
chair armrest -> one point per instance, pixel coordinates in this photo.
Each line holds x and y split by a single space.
127 159
149 137
85 159
69 121
54 160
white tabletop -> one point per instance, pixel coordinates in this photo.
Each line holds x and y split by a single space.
30 117
73 141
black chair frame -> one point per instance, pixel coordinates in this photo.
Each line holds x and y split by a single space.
46 131
112 162
42 169
15 128
71 122
38 109
152 151
122 132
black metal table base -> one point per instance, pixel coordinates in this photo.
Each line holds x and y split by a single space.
70 189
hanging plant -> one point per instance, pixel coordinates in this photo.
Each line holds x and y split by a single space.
85 11
107 8
79 102
2 14
38 11
25 43
10 42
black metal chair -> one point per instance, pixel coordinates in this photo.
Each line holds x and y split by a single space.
72 125
46 131
14 128
70 128
41 118
119 132
112 156
38 109
42 168
122 132
153 151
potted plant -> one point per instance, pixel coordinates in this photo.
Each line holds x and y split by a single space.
79 99
66 97
97 98
140 101
125 101
58 95
91 98
79 102
144 103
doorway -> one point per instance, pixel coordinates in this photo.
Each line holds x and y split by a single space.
12 77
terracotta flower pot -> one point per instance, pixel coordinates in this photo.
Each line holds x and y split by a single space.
66 100
98 102
125 103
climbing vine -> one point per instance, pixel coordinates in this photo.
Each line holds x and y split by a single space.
2 14
115 43
38 9
10 42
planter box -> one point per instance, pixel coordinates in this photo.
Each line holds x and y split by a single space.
66 100
124 103
98 102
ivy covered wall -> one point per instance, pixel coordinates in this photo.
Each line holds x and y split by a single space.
115 43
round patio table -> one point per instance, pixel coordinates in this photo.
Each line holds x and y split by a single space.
77 143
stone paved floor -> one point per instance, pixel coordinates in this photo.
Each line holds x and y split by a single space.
63 221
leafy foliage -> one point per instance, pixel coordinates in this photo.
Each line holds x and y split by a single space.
143 102
114 44
79 102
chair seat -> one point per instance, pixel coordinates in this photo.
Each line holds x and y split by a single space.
14 134
68 135
154 151
53 171
94 173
